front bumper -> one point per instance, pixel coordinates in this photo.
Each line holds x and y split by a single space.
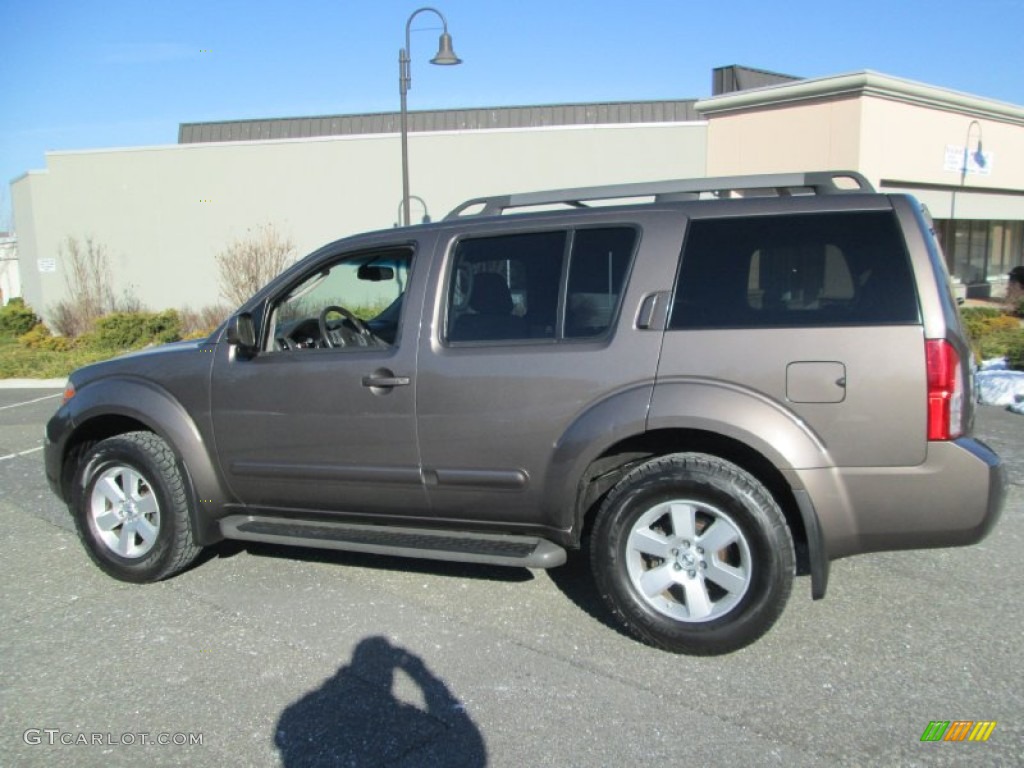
54 439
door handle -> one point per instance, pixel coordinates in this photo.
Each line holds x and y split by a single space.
386 381
653 312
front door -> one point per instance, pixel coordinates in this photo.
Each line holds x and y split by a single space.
322 418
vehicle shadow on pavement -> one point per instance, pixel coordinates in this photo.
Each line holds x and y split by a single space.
356 718
576 582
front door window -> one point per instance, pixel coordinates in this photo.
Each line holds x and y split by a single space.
353 304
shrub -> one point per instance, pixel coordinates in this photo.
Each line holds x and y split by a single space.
1015 352
16 318
126 330
249 262
39 337
999 343
977 319
991 331
1001 323
1015 297
17 361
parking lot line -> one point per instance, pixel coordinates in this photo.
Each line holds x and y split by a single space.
29 402
21 453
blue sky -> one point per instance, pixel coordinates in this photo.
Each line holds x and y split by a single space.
81 74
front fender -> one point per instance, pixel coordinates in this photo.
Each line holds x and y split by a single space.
128 397
744 415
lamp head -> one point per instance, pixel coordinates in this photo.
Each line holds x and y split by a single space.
445 54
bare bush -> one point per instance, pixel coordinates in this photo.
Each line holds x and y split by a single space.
128 302
249 262
90 289
90 294
201 322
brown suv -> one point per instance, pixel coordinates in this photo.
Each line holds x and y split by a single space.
713 384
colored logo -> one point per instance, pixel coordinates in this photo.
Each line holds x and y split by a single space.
958 730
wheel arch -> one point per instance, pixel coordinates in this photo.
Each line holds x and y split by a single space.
113 407
605 470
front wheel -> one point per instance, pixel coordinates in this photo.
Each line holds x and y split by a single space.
131 508
693 555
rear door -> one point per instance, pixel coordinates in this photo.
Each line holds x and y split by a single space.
816 310
533 326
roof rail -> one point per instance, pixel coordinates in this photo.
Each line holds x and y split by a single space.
780 184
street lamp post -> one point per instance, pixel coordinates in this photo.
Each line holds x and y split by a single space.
445 56
426 213
979 159
967 143
963 166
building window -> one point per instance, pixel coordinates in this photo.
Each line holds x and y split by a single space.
1007 247
981 251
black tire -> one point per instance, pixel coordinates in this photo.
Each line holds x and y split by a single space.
649 560
131 508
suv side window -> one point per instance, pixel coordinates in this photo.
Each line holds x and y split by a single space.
354 303
542 286
597 272
795 271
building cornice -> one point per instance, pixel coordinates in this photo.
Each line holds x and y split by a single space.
862 84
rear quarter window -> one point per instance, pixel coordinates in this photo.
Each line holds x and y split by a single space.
795 271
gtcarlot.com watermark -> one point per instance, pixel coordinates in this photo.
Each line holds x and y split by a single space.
57 737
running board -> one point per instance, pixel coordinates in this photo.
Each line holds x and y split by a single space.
455 546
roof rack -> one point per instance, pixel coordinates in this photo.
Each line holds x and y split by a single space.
779 184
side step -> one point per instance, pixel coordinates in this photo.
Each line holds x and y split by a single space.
457 546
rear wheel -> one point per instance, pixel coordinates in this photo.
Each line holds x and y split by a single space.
131 509
693 555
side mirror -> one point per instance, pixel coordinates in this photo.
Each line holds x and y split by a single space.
242 333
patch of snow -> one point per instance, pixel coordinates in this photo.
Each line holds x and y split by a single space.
999 387
995 364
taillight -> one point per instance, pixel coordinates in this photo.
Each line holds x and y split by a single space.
945 390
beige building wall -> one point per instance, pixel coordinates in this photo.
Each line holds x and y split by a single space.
162 213
896 132
823 134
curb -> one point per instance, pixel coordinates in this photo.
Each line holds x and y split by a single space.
32 383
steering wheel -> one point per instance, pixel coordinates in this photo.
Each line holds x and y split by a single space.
362 338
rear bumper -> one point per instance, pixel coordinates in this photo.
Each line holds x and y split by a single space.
953 499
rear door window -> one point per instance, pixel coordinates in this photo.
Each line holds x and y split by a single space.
539 286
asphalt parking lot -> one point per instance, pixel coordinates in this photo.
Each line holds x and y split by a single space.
269 656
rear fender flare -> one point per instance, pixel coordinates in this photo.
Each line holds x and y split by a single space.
749 417
763 425
596 429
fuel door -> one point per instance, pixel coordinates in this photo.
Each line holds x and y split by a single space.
816 382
